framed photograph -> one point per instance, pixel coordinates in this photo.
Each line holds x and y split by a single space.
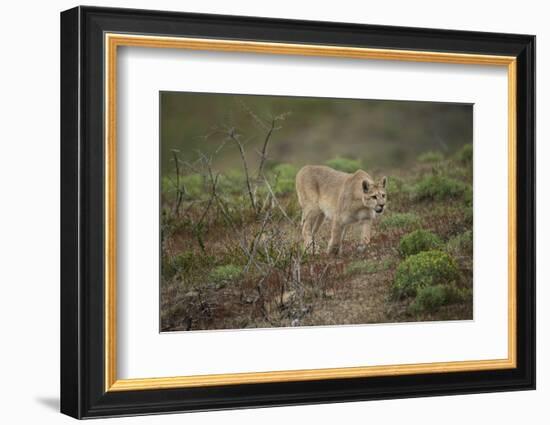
261 212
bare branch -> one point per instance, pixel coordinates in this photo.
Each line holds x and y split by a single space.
276 200
254 116
256 240
234 136
263 154
180 191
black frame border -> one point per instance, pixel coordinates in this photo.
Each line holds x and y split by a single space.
82 205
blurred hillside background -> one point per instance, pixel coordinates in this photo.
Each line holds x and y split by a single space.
378 133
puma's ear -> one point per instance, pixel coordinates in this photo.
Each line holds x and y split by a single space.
383 181
365 186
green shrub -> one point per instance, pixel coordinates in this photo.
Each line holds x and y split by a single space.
395 186
427 268
283 186
438 188
193 184
466 154
232 181
225 273
167 185
400 221
184 262
469 215
418 241
429 298
459 172
344 164
468 196
430 156
283 178
288 171
461 244
454 294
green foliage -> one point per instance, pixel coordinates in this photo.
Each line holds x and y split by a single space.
225 273
193 184
344 164
432 298
454 294
429 298
469 195
469 215
284 176
430 156
461 244
427 268
418 241
400 221
286 171
232 182
394 186
438 188
368 266
167 186
466 154
184 263
397 188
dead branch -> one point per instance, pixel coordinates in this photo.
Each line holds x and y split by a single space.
276 201
234 136
256 240
263 153
253 115
180 190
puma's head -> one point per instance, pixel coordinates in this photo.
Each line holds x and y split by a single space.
374 194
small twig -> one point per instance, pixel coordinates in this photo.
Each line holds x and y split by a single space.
210 200
263 154
254 116
179 191
256 241
269 188
233 136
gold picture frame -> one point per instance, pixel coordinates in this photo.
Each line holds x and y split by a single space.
114 41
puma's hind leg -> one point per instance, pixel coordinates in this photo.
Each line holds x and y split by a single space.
311 220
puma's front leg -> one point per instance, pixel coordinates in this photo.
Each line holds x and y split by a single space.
336 234
365 235
365 239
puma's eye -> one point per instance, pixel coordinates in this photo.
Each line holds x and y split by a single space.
373 196
383 195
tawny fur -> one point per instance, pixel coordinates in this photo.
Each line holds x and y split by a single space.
342 198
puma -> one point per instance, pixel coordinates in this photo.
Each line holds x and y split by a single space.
342 198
